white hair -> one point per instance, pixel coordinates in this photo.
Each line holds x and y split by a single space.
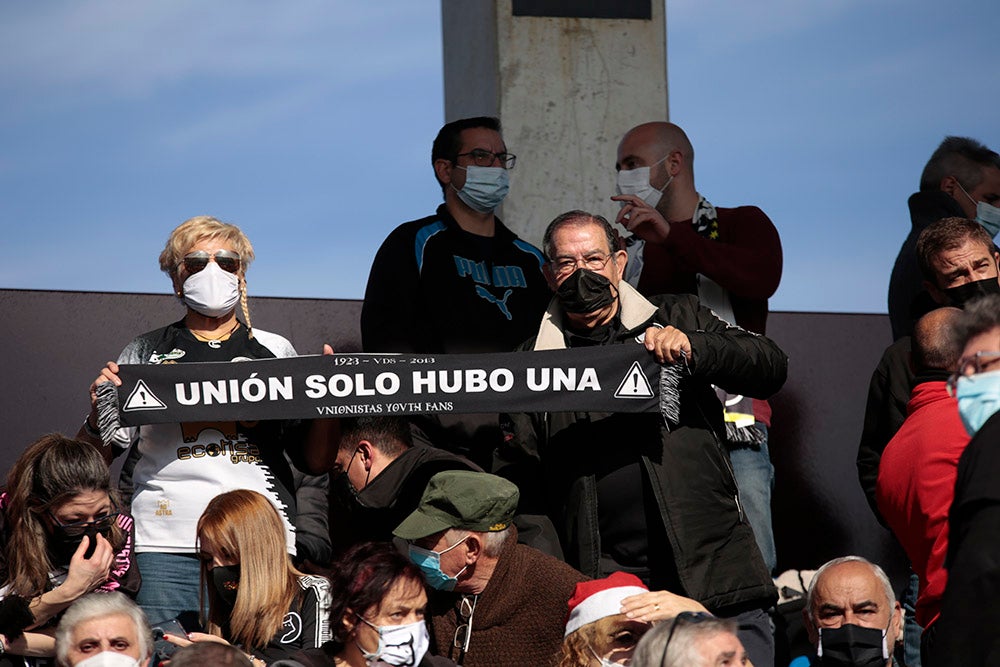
101 605
890 595
492 541
675 643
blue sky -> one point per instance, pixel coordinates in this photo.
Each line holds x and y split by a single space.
309 124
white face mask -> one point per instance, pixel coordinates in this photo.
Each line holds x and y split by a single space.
398 645
605 662
636 182
109 659
212 291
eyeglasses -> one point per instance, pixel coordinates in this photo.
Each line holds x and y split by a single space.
463 633
484 158
79 528
684 618
972 365
227 260
563 266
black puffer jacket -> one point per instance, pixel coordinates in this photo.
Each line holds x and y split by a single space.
714 552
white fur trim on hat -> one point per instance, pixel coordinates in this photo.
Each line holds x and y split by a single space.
600 605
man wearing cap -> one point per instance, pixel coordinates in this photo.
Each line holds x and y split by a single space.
496 602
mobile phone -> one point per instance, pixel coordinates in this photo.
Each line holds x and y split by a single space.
161 647
171 627
91 546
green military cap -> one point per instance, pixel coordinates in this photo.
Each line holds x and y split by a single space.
461 499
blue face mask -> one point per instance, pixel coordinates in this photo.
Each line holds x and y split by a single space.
987 215
485 187
429 563
978 398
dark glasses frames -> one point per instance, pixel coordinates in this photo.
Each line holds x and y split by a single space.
78 528
227 260
684 618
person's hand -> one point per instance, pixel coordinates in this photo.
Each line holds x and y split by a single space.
108 374
87 574
641 219
657 606
327 349
668 344
192 638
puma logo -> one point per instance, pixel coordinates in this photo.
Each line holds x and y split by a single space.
501 303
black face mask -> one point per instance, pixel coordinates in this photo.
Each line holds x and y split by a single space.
852 646
585 292
63 545
226 580
963 294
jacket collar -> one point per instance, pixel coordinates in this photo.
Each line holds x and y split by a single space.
634 311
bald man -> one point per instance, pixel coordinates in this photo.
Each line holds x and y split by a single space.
729 257
851 615
916 477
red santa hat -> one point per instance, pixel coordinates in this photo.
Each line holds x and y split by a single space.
598 598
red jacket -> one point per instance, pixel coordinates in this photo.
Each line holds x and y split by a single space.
916 484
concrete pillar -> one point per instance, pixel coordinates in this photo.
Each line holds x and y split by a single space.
567 78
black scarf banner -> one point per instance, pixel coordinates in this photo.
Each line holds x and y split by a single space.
612 378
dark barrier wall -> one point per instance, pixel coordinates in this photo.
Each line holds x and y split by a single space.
56 342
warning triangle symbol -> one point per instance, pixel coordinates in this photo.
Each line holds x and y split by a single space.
142 398
634 384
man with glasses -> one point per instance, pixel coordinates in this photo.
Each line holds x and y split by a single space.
495 603
458 281
966 632
651 494
851 615
730 258
961 179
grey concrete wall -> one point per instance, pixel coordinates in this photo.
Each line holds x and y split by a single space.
566 89
56 342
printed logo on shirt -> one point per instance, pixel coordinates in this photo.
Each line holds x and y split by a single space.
231 443
169 357
500 303
497 276
163 508
292 625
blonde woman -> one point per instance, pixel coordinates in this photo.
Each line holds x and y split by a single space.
175 469
257 600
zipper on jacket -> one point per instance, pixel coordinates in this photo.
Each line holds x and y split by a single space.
729 465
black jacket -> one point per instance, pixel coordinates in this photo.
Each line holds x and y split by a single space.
373 512
885 410
965 635
712 548
435 288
